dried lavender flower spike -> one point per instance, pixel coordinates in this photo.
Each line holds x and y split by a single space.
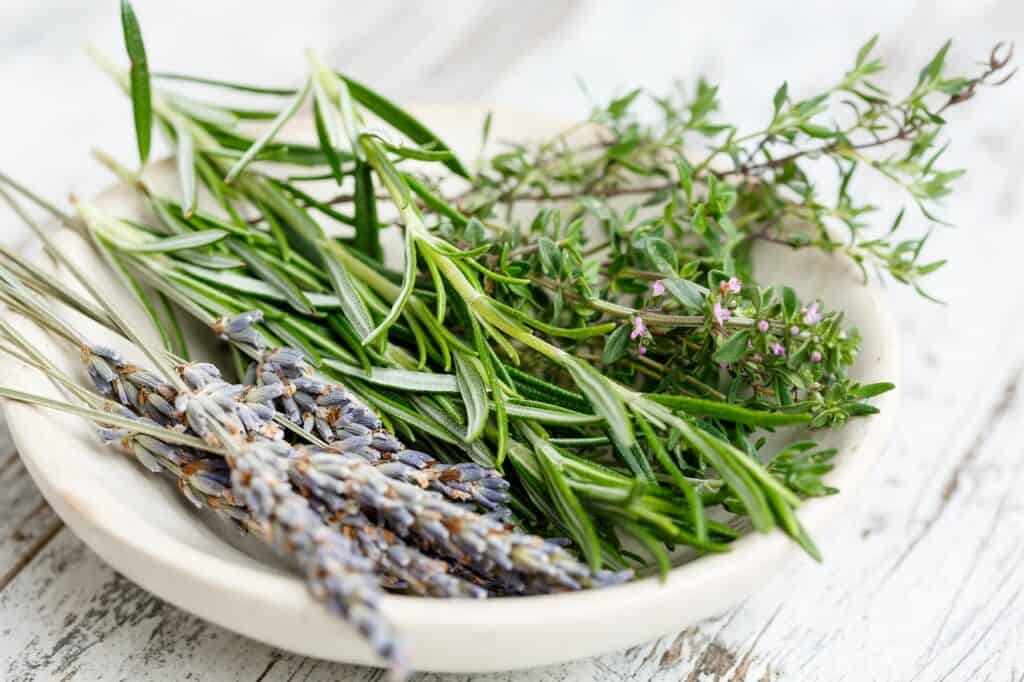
332 413
409 567
527 563
336 572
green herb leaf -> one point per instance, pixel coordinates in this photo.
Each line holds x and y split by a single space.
393 181
240 87
268 135
181 242
686 292
138 75
550 414
408 283
403 122
729 412
325 117
662 256
602 396
398 379
615 345
733 349
367 232
570 511
186 170
473 390
351 304
269 274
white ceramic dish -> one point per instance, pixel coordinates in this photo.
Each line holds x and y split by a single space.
141 527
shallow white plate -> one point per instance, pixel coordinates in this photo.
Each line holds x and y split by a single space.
140 526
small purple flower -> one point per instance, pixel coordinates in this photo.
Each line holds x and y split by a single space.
777 349
762 326
757 357
639 328
794 330
731 286
658 288
815 356
812 314
642 349
720 313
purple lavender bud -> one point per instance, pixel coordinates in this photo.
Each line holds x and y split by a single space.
762 325
240 329
426 517
336 572
109 354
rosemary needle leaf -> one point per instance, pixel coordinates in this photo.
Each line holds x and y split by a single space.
651 545
473 390
436 203
349 118
549 414
402 121
327 133
275 127
142 101
408 283
605 401
417 153
202 111
186 153
240 87
367 237
351 304
570 511
733 413
254 287
269 274
399 379
181 242
393 181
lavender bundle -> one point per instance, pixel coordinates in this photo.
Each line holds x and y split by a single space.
239 465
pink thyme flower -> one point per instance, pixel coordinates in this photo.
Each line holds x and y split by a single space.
720 313
762 326
812 314
642 349
777 349
815 356
731 286
757 357
658 288
639 328
794 330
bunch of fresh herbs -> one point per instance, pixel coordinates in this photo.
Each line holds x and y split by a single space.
582 312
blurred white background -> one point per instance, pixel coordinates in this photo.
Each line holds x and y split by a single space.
922 579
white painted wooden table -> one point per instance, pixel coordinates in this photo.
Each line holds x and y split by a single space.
922 580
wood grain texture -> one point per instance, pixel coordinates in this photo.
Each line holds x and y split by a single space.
923 578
